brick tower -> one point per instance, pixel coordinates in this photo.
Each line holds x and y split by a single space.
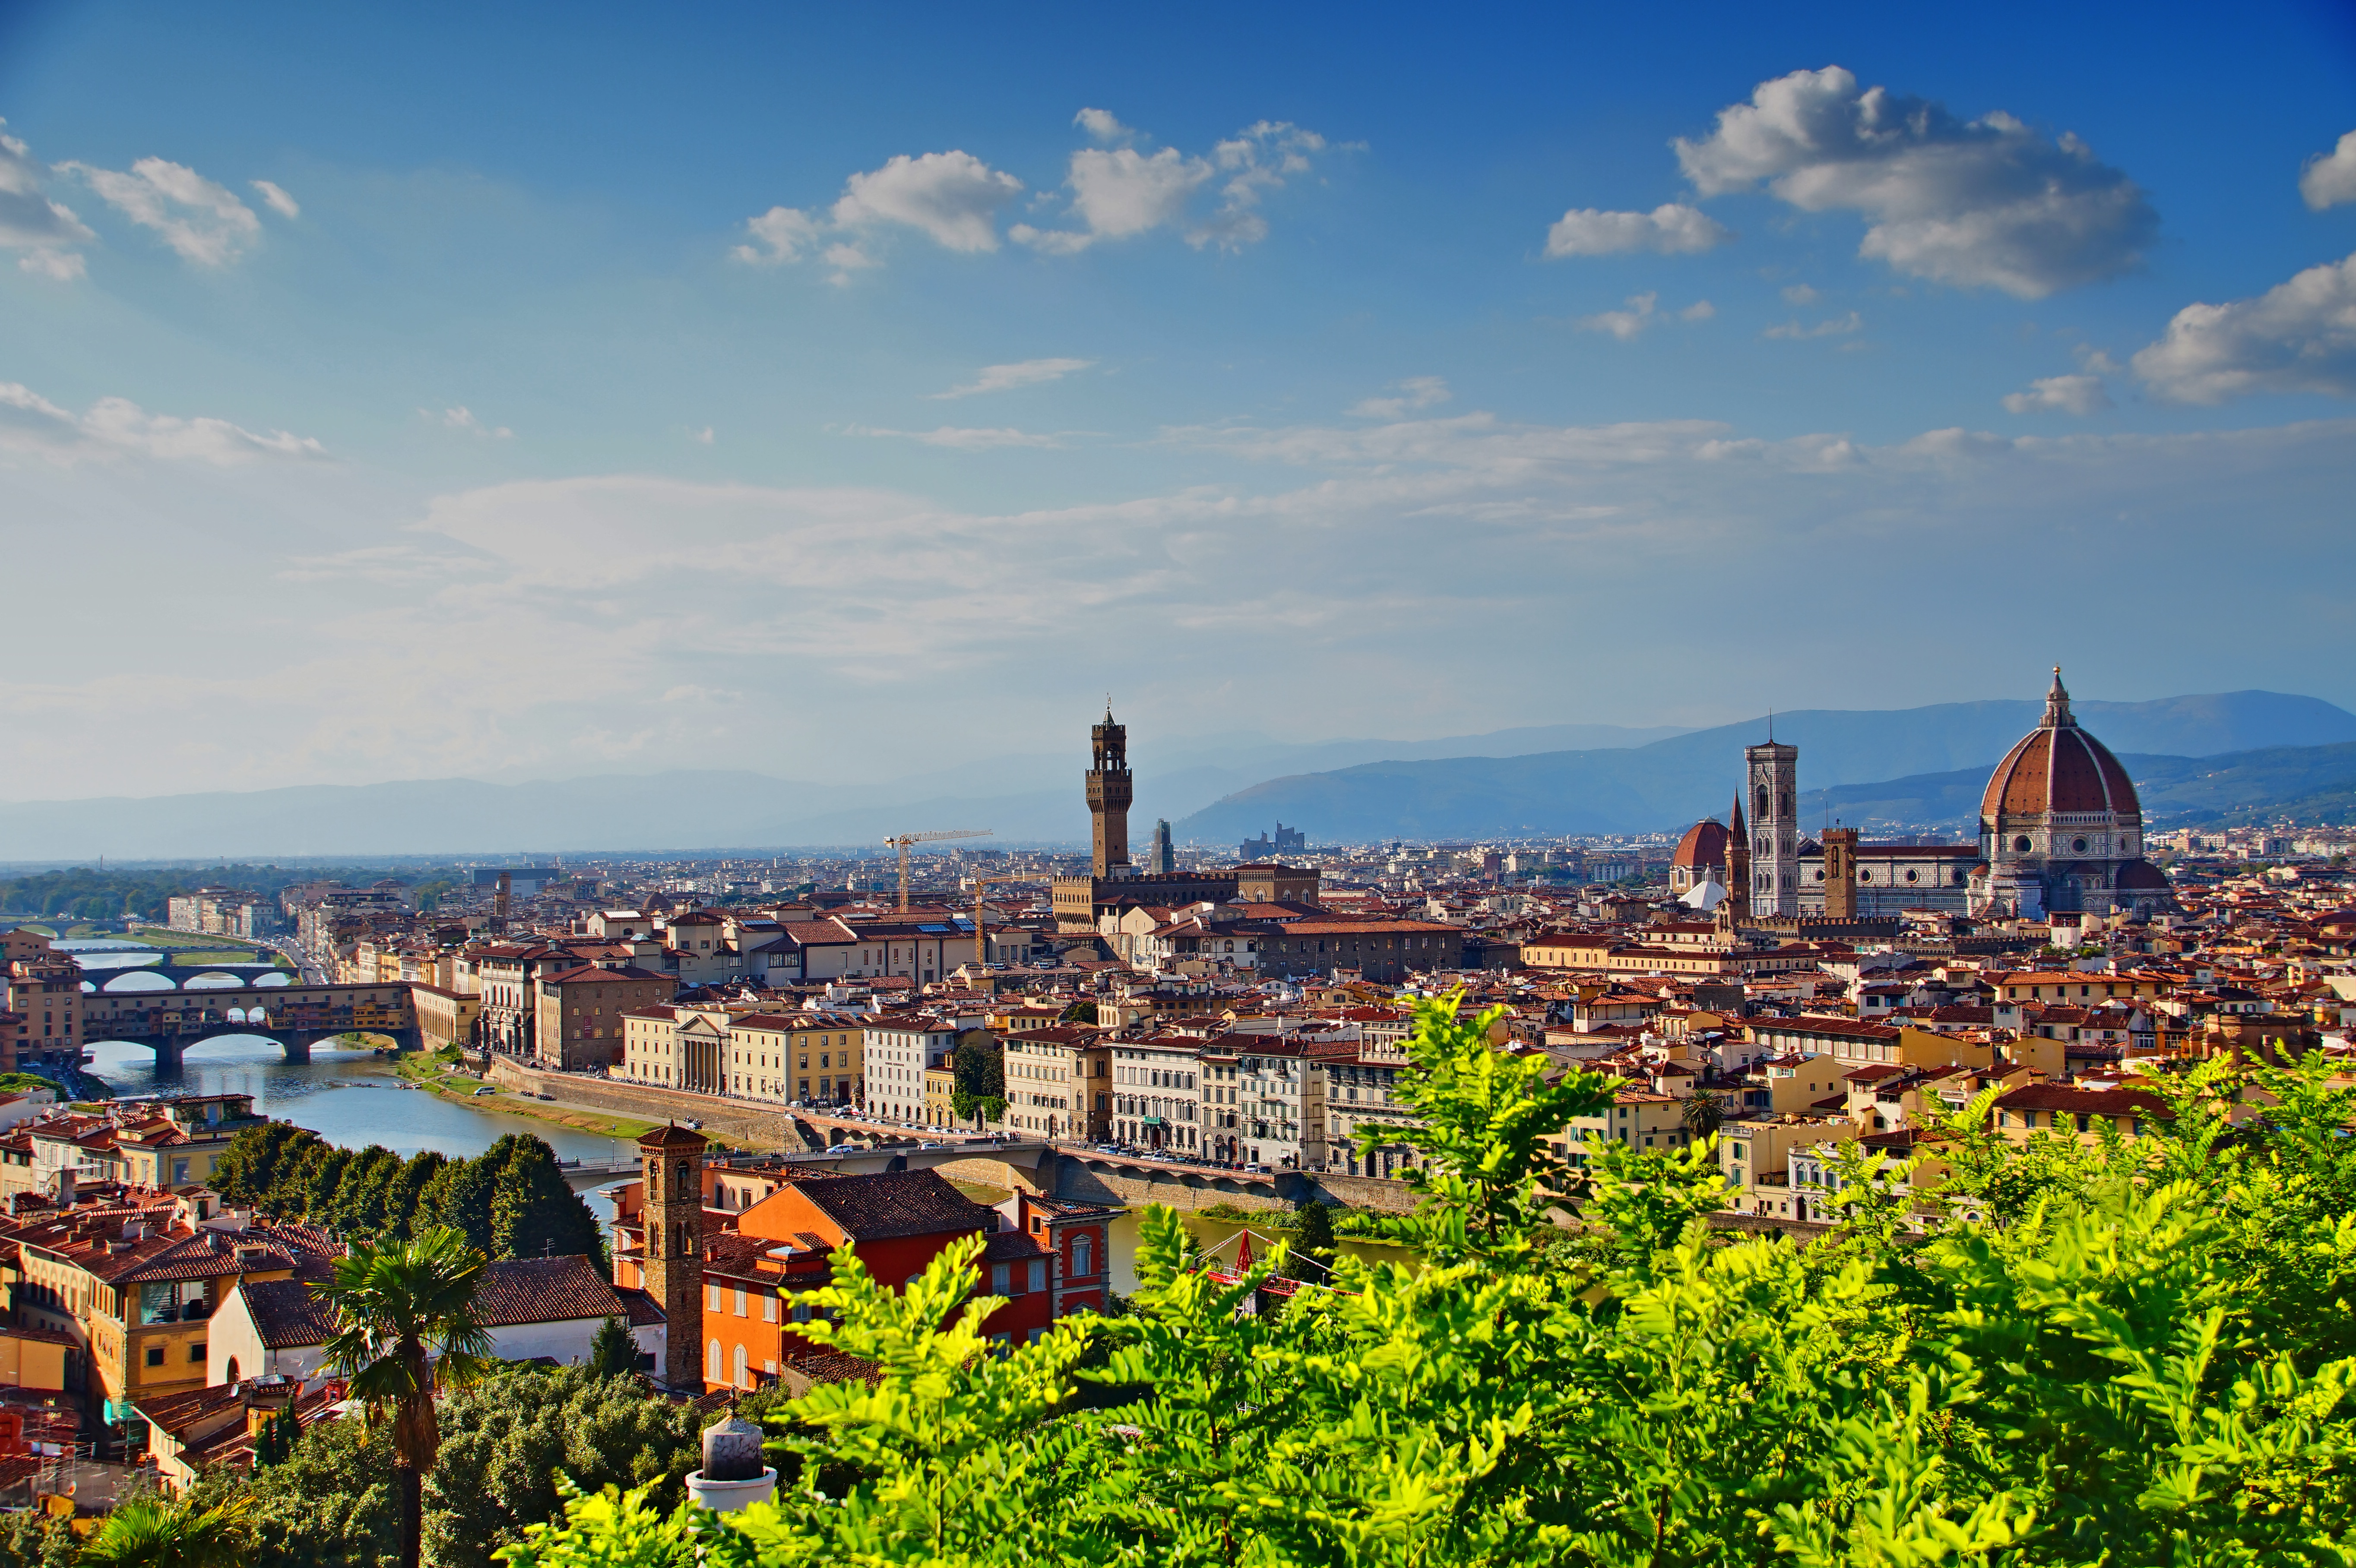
1841 873
1111 788
1738 866
671 1163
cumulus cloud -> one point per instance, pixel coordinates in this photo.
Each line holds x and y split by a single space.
951 198
274 197
2298 337
203 223
1799 293
1117 192
1640 312
963 438
116 427
1006 377
1100 125
1414 393
2063 394
29 221
461 418
2329 178
1979 203
1670 229
1832 326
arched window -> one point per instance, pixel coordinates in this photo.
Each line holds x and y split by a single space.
744 1379
711 1363
229 1374
1762 801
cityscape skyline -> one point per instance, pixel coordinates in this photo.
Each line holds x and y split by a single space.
413 412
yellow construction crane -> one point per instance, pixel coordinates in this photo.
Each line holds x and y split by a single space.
980 938
900 841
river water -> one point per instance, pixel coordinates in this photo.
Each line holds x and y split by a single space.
354 1098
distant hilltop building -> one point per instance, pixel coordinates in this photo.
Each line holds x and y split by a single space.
1288 841
2060 830
1113 883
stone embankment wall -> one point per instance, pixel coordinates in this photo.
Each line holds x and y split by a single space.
762 1128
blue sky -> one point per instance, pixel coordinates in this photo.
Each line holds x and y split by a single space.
411 391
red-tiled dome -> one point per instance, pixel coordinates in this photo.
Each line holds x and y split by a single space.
2142 876
1703 845
2059 767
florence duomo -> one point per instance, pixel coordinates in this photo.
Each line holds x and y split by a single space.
2060 832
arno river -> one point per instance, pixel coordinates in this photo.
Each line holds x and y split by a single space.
353 1098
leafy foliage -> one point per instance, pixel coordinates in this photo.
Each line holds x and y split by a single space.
506 1439
511 1201
612 1353
2131 1352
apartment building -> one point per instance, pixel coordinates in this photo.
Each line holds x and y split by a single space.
899 1048
1157 1093
577 1013
1059 1083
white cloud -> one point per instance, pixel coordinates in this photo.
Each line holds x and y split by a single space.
951 197
203 221
1834 326
1799 293
116 427
64 266
463 418
963 438
1100 125
31 222
1987 202
1415 392
2068 394
701 437
780 234
1121 192
2298 337
1640 313
1006 377
1671 229
275 197
2329 178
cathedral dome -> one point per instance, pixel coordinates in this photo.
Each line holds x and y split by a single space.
2059 768
1703 845
2142 877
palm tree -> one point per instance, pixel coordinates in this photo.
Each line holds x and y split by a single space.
1703 1113
405 1327
148 1532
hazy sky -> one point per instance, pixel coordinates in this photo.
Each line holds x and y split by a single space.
413 391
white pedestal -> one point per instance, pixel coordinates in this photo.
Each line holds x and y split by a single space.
727 1496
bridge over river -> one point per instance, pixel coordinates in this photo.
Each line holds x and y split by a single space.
582 1173
297 1017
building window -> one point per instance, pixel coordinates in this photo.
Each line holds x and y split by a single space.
711 1362
154 1355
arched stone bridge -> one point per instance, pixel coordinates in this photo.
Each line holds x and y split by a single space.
297 1017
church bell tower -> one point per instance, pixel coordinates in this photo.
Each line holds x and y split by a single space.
671 1166
1774 829
1111 788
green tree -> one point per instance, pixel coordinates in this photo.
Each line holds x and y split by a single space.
612 1353
459 1195
276 1440
1083 1012
1312 1241
404 1194
149 1533
506 1439
535 1214
1702 1114
330 1503
979 1068
249 1170
406 1328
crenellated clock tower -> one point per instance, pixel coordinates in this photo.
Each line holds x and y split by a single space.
1111 788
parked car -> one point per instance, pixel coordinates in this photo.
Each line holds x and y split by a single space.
486 1089
846 1148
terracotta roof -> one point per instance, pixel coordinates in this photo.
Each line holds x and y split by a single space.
900 1203
1703 845
545 1290
672 1135
2058 767
287 1312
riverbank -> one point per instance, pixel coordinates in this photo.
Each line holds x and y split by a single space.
438 1077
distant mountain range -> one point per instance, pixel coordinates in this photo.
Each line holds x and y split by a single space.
2238 752
1650 787
2310 783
